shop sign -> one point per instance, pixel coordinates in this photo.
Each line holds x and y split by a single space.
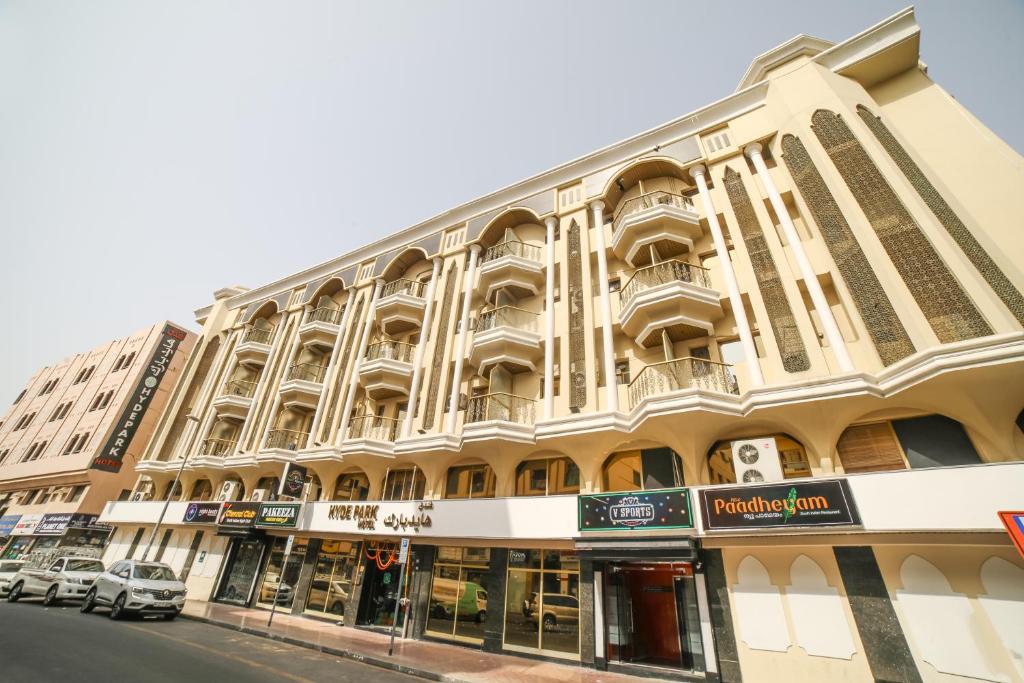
201 513
53 524
660 509
293 481
7 524
236 515
109 458
83 521
26 526
1013 521
364 515
278 515
800 504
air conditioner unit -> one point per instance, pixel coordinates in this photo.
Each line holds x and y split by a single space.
756 460
260 495
138 496
228 491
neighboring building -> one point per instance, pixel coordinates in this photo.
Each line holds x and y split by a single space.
69 443
815 280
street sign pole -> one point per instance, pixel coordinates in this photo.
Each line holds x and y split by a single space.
403 557
280 576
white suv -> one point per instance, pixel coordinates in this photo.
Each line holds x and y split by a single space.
139 588
66 578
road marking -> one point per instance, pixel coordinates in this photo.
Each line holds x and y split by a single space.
221 653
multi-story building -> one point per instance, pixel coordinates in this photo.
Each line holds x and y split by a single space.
69 443
739 396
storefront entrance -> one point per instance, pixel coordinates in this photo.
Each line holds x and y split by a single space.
380 587
652 616
244 556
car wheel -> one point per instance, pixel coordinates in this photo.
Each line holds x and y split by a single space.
481 616
171 617
117 609
51 596
338 608
549 622
15 592
89 602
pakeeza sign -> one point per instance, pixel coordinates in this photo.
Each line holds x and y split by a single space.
110 457
278 515
798 504
201 513
660 509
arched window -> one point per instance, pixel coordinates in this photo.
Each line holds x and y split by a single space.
547 477
270 485
914 442
792 458
404 484
202 490
643 470
470 481
352 486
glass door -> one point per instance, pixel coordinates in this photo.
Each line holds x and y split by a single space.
279 579
244 562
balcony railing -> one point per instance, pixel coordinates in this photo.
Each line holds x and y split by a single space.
682 373
500 406
649 201
508 316
239 387
257 335
391 350
287 439
661 274
403 286
331 316
512 248
219 447
373 427
307 372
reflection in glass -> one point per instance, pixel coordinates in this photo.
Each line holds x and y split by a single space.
521 593
542 608
279 579
333 575
470 481
352 486
644 470
548 477
407 484
458 593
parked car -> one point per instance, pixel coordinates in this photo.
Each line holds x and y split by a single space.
8 568
269 589
559 608
132 586
65 578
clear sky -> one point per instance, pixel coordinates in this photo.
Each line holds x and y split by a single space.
153 152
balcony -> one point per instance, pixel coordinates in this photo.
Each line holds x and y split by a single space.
501 407
235 400
321 328
663 220
302 386
400 306
670 295
373 428
218 448
513 266
386 370
507 336
681 374
286 440
255 346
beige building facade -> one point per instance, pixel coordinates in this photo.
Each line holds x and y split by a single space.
738 398
69 442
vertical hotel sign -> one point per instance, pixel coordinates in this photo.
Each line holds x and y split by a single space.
111 456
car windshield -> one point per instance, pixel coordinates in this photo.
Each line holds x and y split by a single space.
153 572
10 566
84 566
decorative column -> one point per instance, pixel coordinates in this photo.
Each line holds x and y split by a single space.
549 322
421 349
828 321
353 385
611 389
329 373
460 347
732 286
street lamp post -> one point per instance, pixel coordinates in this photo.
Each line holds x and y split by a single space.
170 494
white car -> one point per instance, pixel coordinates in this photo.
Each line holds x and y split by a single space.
66 578
8 568
132 586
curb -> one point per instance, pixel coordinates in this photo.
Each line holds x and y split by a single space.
345 654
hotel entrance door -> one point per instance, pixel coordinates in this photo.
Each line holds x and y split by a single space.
652 617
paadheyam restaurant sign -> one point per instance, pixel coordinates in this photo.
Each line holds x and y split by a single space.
111 456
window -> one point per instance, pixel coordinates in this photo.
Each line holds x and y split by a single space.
124 362
333 575
470 481
38 496
792 458
61 411
542 611
622 371
49 386
77 443
3 455
131 551
34 451
458 594
614 284
20 396
405 484
76 493
84 374
102 400
547 477
352 486
25 421
917 442
643 470
279 576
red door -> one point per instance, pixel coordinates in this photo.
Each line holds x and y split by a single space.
655 627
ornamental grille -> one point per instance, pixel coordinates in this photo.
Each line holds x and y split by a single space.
787 335
995 277
577 349
943 301
344 359
887 332
439 347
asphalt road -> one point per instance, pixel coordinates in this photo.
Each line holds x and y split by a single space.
50 644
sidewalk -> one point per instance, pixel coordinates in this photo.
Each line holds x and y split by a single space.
426 659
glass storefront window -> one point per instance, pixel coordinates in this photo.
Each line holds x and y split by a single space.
243 563
458 594
406 484
333 577
542 603
279 579
470 481
644 470
548 477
